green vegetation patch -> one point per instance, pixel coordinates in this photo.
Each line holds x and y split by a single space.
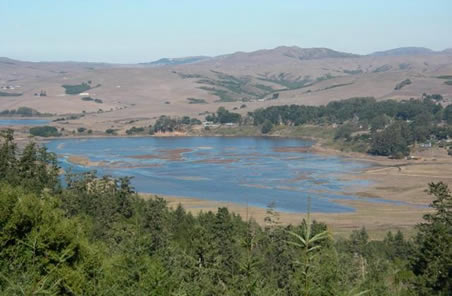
383 68
353 72
7 94
337 85
23 111
230 88
402 84
444 77
388 128
89 99
44 131
76 89
224 116
135 130
287 80
196 101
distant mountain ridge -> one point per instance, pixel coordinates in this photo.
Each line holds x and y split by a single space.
177 61
294 52
404 51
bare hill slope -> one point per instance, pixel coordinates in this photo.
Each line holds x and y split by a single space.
284 75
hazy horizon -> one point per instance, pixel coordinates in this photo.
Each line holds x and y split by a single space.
115 32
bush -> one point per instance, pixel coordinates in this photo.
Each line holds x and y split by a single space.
110 131
44 131
81 129
196 101
195 121
345 131
267 127
402 84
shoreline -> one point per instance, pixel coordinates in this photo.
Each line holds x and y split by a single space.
377 219
392 179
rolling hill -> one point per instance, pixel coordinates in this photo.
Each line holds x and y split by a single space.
284 75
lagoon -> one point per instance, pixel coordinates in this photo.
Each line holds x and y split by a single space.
246 170
12 122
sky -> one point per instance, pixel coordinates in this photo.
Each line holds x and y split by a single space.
130 31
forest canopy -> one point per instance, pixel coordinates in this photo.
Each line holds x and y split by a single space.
95 235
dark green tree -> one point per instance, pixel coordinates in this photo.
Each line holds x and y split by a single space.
432 261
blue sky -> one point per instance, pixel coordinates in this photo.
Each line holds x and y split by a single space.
144 30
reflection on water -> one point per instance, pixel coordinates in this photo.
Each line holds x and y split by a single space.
250 170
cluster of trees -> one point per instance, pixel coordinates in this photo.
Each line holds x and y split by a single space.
22 111
96 236
90 99
168 124
44 131
75 89
82 130
365 110
224 116
394 126
135 130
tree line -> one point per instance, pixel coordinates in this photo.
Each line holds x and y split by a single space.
387 127
90 235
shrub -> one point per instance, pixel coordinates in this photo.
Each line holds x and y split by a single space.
110 131
267 127
402 84
196 101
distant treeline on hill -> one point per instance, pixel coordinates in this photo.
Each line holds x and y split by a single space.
386 127
365 110
23 111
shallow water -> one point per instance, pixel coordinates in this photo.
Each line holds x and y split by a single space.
246 170
11 122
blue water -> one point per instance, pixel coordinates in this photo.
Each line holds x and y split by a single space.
246 170
9 122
